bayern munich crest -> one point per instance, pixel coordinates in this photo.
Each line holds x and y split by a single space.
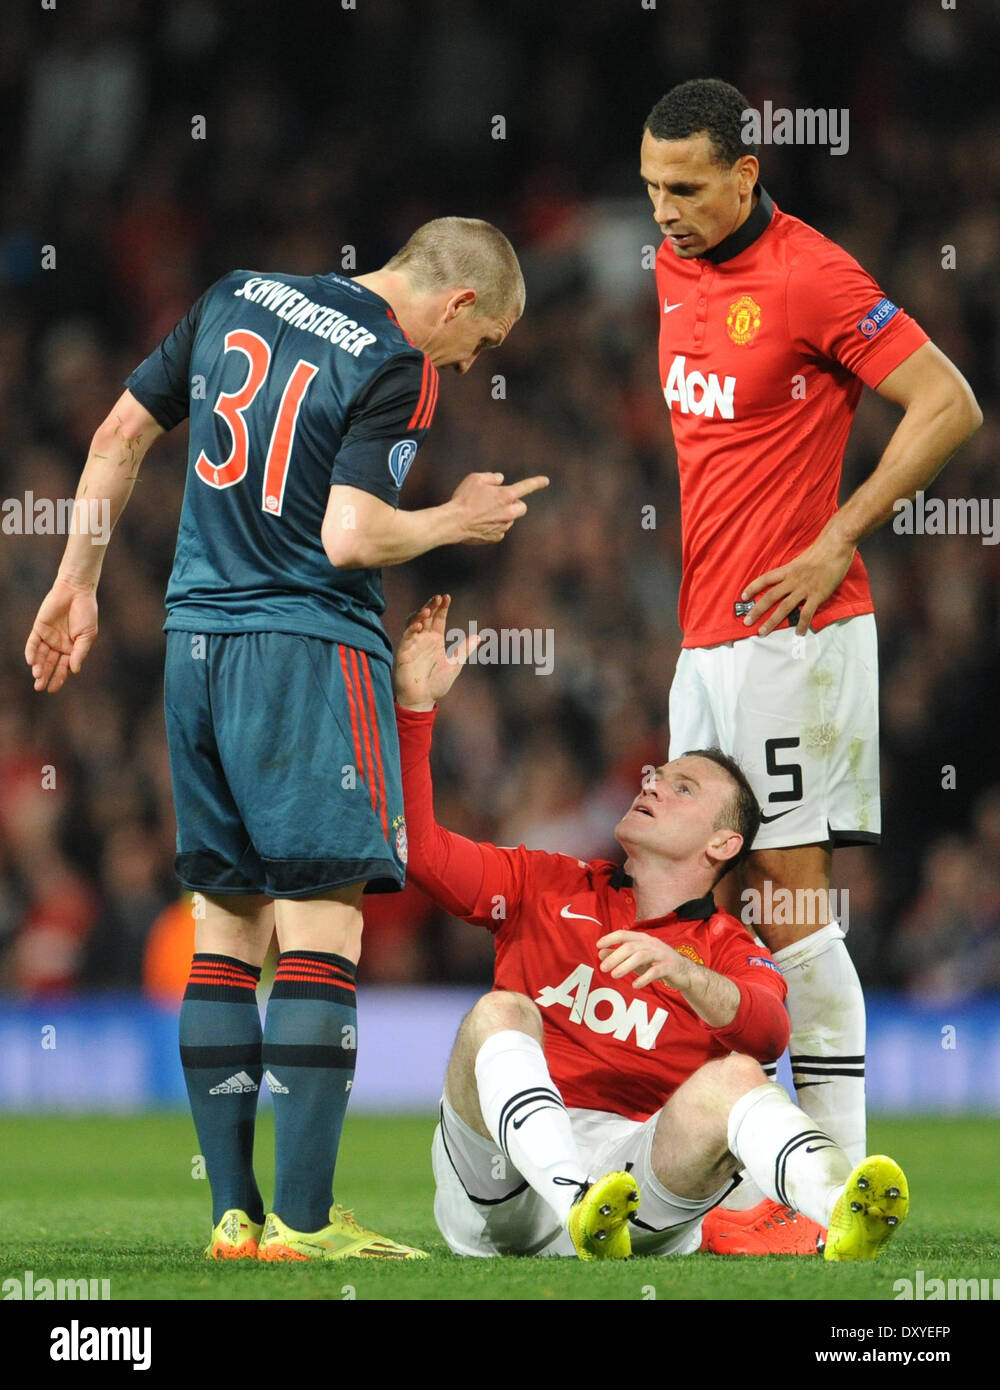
399 825
743 319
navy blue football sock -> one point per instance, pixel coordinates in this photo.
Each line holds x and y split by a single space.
310 1041
220 1037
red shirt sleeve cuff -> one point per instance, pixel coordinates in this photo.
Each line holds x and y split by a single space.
887 356
761 1027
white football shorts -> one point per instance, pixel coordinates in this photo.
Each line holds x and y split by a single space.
484 1207
801 716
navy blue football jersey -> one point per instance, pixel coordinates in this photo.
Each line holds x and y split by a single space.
292 383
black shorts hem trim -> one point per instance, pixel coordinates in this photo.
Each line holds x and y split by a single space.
842 838
695 1216
204 872
837 839
676 1226
479 1201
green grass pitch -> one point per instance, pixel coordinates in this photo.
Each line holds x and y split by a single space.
114 1197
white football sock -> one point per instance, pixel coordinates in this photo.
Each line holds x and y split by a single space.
525 1115
748 1194
795 1163
827 1047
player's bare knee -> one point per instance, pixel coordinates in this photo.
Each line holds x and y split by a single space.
493 1013
697 1102
330 922
739 1074
706 1098
238 926
502 1009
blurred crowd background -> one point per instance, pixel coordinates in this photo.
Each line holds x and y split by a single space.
327 129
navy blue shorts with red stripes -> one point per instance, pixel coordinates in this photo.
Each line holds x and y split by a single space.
285 765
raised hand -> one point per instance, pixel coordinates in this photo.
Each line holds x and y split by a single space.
423 672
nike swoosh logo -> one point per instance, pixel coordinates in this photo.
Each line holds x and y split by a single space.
525 1118
766 820
669 308
578 916
811 1149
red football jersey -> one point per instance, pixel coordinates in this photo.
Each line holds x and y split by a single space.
764 343
609 1046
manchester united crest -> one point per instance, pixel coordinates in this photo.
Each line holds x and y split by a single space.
743 319
686 949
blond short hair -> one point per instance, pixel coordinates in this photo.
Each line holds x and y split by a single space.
454 251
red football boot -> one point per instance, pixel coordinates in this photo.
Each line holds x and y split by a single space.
766 1229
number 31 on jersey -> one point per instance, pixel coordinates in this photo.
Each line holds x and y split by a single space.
232 405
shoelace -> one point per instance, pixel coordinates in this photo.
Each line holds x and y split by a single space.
347 1215
784 1216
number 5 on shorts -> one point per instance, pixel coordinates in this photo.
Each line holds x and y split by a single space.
774 769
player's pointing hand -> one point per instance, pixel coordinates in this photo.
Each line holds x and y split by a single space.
487 509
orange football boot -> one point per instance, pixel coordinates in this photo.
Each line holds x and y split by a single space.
766 1229
234 1238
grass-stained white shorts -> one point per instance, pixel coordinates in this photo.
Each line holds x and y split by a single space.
484 1207
801 716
